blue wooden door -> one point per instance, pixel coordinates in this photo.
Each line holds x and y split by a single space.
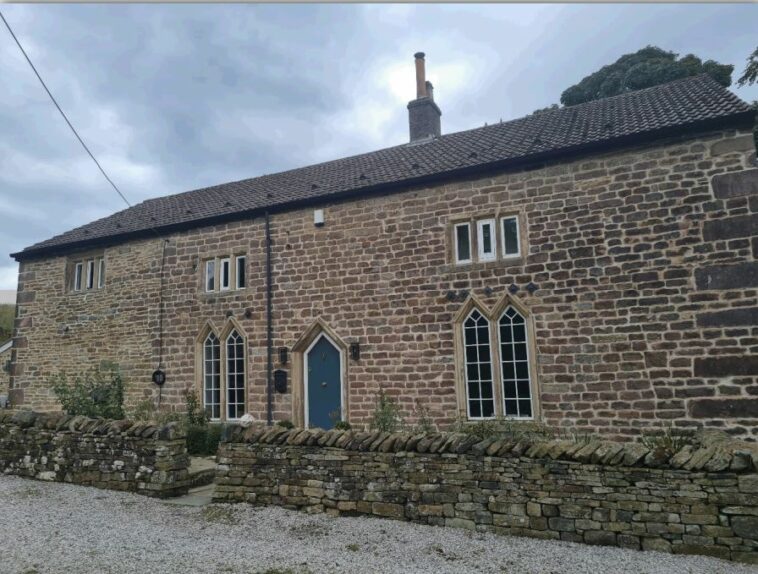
324 384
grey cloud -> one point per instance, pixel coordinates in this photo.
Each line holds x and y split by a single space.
176 97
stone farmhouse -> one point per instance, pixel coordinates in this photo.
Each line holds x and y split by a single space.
592 267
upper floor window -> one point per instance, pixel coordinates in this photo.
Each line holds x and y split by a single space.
510 236
210 275
223 275
86 274
226 274
462 239
241 271
495 239
486 239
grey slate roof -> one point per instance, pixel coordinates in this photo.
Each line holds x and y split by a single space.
668 109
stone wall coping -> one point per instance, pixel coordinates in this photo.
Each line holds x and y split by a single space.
711 451
94 426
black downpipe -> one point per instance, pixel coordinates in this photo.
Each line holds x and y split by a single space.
269 329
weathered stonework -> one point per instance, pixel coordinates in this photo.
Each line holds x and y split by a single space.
117 455
630 294
5 357
703 500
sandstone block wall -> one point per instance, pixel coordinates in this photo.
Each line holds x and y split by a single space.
116 455
644 261
703 500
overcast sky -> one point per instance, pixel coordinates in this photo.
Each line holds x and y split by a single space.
176 97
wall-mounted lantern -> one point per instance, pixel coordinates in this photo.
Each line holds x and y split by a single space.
355 351
159 377
283 352
280 381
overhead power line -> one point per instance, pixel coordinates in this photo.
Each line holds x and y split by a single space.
70 125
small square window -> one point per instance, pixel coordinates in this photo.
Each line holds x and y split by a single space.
210 275
241 272
510 236
101 273
462 239
487 249
78 276
226 274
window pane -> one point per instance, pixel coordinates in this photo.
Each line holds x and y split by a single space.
90 274
241 270
486 237
514 365
463 242
101 274
210 275
510 236
478 368
78 277
235 376
211 377
509 390
225 274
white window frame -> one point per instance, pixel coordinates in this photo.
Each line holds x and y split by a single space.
101 273
518 236
210 278
240 259
78 272
239 340
90 274
458 260
225 262
213 375
492 369
492 255
528 366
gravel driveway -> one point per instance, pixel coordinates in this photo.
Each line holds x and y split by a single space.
46 527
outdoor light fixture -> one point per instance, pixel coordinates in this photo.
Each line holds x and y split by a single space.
355 351
280 381
283 355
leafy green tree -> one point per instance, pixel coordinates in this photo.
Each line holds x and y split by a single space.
748 78
750 75
647 67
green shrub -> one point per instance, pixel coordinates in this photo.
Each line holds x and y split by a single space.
387 417
287 424
424 422
343 425
97 393
667 442
195 414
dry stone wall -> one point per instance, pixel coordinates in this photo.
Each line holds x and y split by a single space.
702 500
643 262
117 455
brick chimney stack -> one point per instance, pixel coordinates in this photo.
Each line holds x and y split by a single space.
423 114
